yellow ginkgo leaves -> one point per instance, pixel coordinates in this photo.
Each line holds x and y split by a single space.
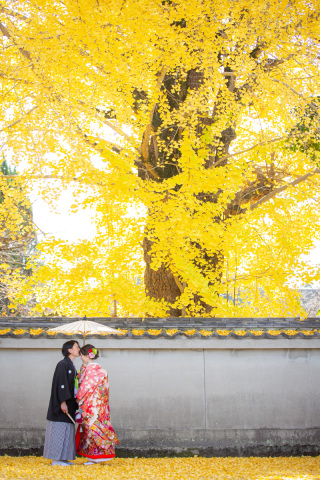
197 468
190 129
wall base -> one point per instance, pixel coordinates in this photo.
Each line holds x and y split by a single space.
169 443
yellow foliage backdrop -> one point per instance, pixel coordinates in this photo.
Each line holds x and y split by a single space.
192 124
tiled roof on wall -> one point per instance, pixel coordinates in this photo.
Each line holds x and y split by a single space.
137 328
170 333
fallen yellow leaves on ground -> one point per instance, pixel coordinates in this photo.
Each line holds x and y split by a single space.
252 468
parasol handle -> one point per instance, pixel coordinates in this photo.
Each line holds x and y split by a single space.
84 333
71 418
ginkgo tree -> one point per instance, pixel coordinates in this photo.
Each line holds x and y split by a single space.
191 128
17 245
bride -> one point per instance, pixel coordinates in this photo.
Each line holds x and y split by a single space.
95 437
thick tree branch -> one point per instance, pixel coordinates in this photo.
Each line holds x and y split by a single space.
7 127
278 190
17 15
5 31
7 34
178 283
315 109
15 79
273 140
94 144
115 128
147 133
119 131
266 142
51 177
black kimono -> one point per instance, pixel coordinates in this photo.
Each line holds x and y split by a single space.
63 391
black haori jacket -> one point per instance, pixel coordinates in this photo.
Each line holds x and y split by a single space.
62 391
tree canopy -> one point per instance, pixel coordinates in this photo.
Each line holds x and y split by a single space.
192 129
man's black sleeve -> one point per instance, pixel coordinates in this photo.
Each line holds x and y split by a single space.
61 383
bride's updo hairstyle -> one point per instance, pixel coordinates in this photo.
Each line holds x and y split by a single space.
90 350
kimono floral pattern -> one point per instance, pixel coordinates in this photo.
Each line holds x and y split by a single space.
95 436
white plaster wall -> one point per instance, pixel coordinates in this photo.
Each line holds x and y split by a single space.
165 395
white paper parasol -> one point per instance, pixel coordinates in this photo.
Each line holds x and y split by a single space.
84 327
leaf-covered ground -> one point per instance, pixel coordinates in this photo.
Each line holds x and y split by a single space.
253 468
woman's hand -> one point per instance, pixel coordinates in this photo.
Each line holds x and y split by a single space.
64 407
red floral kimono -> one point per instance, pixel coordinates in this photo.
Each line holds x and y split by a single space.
95 436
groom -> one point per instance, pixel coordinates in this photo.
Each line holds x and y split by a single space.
59 445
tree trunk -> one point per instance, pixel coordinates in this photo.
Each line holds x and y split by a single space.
161 284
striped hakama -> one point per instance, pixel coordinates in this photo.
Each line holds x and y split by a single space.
59 442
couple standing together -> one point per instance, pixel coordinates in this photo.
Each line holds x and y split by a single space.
88 391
